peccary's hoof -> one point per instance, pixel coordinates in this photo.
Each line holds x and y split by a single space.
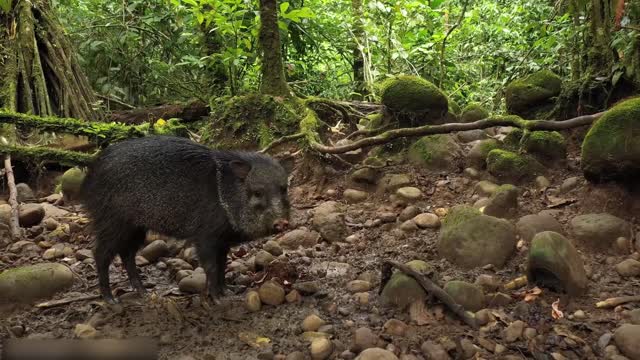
110 300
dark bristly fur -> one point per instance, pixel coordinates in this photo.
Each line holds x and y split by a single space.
176 187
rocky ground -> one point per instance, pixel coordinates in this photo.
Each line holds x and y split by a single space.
314 292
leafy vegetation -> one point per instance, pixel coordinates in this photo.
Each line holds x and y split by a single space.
150 51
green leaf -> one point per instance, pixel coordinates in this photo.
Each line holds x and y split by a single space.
283 7
6 5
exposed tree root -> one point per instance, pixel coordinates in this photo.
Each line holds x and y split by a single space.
14 225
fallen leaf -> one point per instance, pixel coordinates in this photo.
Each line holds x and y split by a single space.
556 313
532 294
254 340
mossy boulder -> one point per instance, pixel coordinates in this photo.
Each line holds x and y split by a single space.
71 182
544 145
250 122
477 156
611 149
473 112
509 166
469 239
434 152
554 262
401 289
28 283
454 108
503 203
533 95
414 100
470 296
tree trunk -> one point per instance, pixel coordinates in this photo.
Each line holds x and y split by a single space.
14 223
273 79
360 88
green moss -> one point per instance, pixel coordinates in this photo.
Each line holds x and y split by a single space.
509 166
611 148
474 112
524 95
251 121
170 127
43 154
71 182
544 145
413 94
435 152
457 215
375 120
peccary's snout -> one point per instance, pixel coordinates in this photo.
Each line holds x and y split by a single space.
280 225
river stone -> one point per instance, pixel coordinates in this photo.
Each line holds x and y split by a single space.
470 296
469 239
329 221
353 196
627 338
28 283
271 293
503 203
365 175
529 225
393 182
155 250
299 237
376 354
554 262
599 231
30 215
628 268
24 193
194 283
485 188
409 193
401 289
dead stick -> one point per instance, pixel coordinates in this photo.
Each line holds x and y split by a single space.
613 302
508 120
431 288
14 223
53 303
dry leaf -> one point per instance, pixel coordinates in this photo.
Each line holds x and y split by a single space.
556 313
532 294
254 340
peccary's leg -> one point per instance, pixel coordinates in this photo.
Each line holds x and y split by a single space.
128 254
209 255
104 252
221 264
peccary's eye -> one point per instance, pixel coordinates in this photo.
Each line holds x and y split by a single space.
283 189
257 193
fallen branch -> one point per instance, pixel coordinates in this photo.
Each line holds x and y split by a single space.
613 302
104 132
431 288
65 301
281 140
506 120
41 154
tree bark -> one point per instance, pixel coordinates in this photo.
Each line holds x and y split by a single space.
273 79
360 88
14 223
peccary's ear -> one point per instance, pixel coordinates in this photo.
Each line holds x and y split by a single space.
287 164
240 168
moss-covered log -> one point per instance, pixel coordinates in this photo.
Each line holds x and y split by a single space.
44 154
95 131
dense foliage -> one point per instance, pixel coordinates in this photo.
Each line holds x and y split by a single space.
144 51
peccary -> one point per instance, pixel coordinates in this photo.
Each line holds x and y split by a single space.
179 188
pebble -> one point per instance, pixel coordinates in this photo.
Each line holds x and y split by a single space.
408 213
627 338
408 226
427 221
252 301
194 283
357 286
434 351
321 348
469 350
628 268
263 259
409 193
395 327
514 331
364 339
376 354
155 250
542 182
296 355
362 298
271 293
293 296
353 196
273 248
312 323
307 287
